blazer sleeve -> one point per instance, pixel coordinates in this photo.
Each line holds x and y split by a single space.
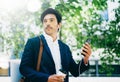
74 68
27 65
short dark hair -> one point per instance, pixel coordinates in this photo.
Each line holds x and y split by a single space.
51 11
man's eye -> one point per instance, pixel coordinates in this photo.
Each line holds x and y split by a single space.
51 20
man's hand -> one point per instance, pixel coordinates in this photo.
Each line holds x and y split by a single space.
56 78
86 51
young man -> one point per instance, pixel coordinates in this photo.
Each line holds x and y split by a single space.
56 54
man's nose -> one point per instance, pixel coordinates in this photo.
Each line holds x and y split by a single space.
47 23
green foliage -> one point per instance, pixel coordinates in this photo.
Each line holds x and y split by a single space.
82 20
100 4
79 19
17 29
112 41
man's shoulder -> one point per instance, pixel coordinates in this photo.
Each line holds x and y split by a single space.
62 43
34 39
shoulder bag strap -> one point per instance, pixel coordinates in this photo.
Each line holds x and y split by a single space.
39 55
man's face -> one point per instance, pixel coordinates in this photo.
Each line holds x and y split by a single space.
50 24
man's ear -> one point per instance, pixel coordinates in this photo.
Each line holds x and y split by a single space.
59 25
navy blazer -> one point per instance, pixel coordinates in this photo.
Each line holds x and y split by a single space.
47 66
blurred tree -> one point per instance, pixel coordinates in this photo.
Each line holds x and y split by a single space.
19 25
82 20
111 39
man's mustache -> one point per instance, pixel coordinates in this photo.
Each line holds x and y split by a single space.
48 27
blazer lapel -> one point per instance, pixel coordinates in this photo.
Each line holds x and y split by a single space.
62 53
47 48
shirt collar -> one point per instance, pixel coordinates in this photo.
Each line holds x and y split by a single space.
49 38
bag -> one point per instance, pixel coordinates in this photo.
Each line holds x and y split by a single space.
38 62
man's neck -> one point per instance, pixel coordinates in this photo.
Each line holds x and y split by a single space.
54 37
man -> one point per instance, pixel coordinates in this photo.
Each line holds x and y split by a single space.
56 54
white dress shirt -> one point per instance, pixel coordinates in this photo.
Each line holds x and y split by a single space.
55 51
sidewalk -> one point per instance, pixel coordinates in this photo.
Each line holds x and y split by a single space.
5 79
80 79
95 79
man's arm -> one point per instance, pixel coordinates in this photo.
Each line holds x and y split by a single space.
83 65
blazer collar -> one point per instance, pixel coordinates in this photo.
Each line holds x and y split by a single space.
62 53
45 45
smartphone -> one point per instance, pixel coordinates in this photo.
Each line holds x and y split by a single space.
62 72
87 41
